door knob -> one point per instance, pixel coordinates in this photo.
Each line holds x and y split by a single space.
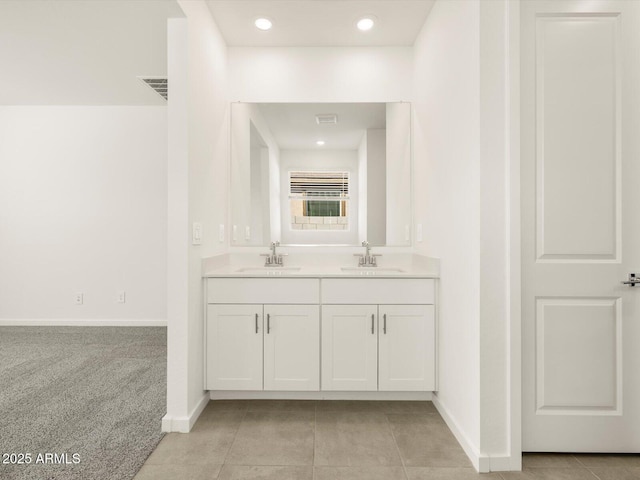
633 279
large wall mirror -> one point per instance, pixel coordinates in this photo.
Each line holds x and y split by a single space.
321 174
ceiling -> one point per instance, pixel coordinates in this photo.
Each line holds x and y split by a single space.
294 126
306 23
82 52
90 52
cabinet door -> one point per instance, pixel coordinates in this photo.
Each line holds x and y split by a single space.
349 347
292 347
234 347
406 348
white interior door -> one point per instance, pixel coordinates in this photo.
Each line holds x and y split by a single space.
349 347
581 227
292 347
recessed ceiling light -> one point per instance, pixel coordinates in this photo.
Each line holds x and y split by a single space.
366 23
263 23
320 143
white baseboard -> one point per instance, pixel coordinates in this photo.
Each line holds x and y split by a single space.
324 395
480 463
483 463
81 322
167 424
184 424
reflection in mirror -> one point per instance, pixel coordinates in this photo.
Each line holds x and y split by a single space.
319 198
259 177
320 174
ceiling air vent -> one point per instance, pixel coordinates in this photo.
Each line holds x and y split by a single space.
159 84
326 119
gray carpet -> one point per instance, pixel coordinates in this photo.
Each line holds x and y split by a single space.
99 392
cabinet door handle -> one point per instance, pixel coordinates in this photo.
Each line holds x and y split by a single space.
372 320
256 323
384 326
268 323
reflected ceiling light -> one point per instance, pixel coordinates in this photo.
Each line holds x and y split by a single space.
320 143
263 23
366 23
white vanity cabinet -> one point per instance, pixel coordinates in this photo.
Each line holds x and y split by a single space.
254 345
292 347
288 334
388 346
406 348
234 347
350 347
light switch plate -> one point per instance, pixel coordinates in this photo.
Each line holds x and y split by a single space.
197 234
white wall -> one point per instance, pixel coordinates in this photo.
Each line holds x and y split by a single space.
199 158
494 234
446 105
362 187
259 231
376 186
398 159
322 74
177 231
462 196
208 166
341 160
82 209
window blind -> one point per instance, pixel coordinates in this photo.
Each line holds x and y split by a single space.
319 185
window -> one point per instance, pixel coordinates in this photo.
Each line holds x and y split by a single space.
319 200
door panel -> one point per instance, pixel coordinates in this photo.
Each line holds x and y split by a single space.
406 358
292 347
234 347
349 347
578 343
577 130
580 228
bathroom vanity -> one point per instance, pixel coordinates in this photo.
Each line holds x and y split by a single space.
321 325
320 329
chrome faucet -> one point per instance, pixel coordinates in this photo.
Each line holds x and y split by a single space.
273 259
368 259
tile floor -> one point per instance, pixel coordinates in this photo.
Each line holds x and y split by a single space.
344 440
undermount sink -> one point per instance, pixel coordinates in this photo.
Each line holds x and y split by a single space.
371 270
269 270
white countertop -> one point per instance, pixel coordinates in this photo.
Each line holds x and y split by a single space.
322 266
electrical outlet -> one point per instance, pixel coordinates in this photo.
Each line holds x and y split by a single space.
221 233
78 298
122 297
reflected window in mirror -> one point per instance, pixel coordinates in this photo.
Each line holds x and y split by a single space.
319 200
